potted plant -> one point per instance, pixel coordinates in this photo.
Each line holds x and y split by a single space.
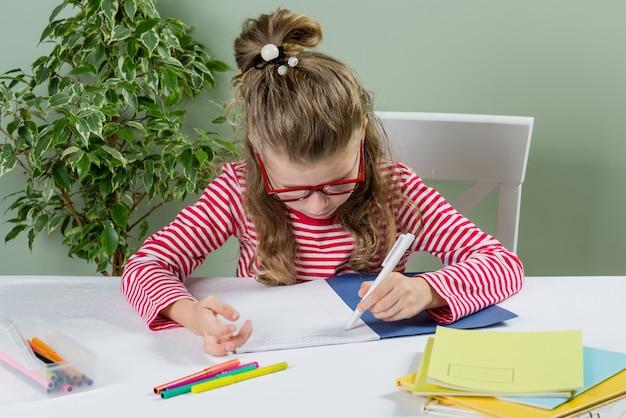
97 127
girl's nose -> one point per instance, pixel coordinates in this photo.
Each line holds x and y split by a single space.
317 202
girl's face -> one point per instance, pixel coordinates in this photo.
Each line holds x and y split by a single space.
334 172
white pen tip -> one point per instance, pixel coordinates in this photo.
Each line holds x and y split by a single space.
355 318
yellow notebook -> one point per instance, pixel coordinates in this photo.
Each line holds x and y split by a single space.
406 382
608 391
500 362
417 382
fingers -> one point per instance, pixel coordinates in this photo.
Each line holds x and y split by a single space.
394 312
219 307
219 338
397 297
376 296
227 343
244 334
216 349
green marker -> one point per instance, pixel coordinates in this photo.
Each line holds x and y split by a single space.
168 393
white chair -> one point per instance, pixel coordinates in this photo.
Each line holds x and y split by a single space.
487 150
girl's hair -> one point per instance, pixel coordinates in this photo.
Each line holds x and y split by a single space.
309 113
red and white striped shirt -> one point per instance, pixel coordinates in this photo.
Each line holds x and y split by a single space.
479 271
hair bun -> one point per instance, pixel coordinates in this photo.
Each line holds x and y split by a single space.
293 32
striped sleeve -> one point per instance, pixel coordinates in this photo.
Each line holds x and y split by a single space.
478 271
153 277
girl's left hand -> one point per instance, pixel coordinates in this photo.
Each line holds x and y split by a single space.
399 297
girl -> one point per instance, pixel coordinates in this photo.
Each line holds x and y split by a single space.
314 197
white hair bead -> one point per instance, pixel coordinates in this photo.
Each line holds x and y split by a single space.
269 52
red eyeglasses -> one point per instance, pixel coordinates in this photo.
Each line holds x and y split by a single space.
293 194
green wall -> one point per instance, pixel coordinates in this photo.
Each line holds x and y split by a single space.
561 61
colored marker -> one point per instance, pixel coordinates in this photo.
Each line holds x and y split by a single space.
33 376
46 349
169 393
210 375
69 374
66 387
209 370
40 354
229 380
75 377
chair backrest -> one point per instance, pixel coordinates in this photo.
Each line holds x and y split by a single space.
488 150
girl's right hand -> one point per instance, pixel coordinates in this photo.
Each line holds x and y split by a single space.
201 317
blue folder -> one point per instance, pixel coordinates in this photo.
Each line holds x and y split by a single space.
347 287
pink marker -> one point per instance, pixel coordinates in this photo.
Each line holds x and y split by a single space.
209 370
30 374
208 376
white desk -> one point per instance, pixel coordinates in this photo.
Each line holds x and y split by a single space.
336 381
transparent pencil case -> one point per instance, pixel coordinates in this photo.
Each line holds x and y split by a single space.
45 359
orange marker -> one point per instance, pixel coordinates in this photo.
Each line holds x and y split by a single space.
39 353
49 352
209 370
69 375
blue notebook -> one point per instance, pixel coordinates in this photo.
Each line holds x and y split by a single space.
347 287
598 365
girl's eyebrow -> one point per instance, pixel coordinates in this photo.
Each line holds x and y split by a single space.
344 177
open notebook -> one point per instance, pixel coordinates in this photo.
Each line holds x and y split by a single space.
316 313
